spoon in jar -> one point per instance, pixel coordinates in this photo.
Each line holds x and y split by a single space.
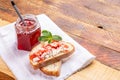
17 11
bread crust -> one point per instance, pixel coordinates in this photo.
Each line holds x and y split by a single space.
52 72
54 59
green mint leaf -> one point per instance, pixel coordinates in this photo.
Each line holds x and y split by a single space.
47 36
43 38
56 37
50 41
46 33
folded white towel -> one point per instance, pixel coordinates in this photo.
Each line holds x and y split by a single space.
18 61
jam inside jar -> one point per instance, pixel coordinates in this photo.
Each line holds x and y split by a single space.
27 32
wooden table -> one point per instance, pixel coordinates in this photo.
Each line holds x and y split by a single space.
95 24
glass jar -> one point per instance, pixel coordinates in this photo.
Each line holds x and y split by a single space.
27 32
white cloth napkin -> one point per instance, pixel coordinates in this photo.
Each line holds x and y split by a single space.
18 60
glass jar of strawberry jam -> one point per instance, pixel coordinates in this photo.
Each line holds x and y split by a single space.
27 32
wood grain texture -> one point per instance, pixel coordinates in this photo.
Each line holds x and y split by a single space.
95 24
103 54
4 76
5 73
3 22
96 71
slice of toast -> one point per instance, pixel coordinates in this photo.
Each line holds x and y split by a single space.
46 54
52 69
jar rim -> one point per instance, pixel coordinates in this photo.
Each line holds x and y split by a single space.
30 17
27 16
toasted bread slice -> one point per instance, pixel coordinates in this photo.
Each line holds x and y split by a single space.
52 69
46 54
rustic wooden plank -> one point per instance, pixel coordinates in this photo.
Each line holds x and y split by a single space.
92 72
3 22
4 76
113 2
79 11
110 35
100 6
89 32
5 71
103 54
